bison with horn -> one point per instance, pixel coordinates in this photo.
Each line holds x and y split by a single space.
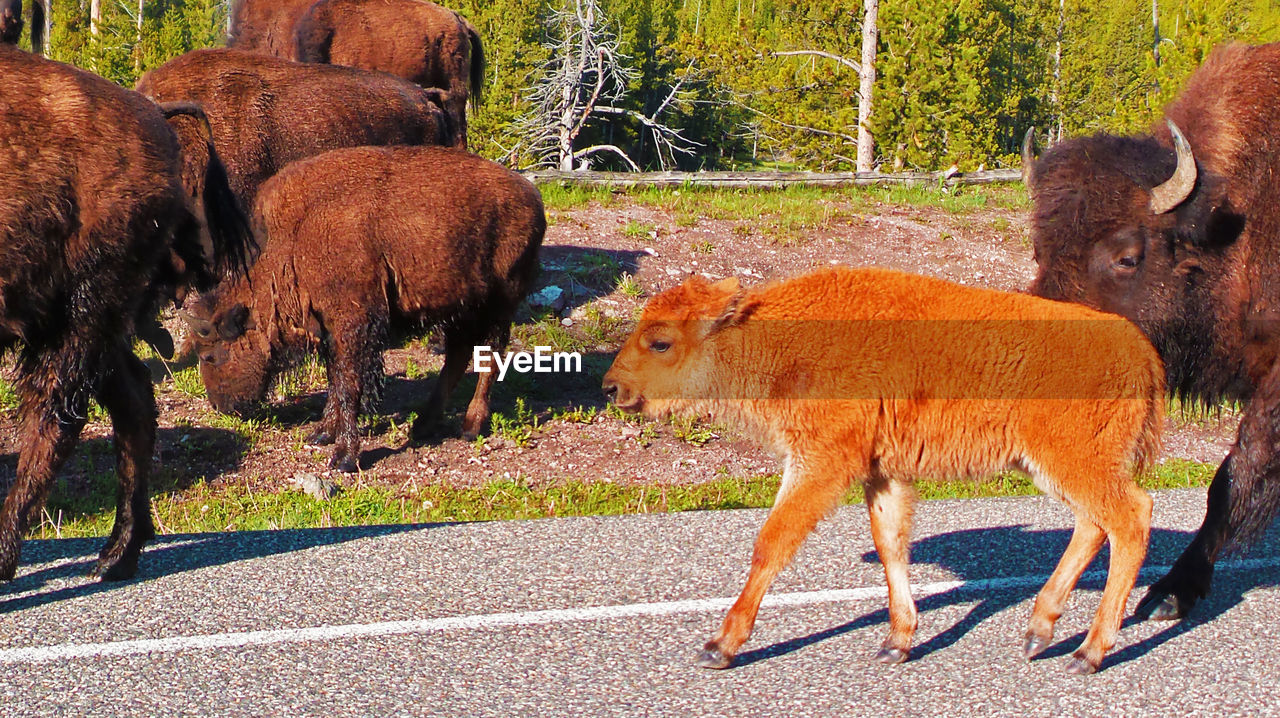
1179 230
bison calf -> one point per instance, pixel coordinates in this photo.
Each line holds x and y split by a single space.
355 242
880 377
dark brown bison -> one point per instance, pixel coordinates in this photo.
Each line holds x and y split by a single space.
11 23
265 26
266 112
356 242
1179 230
96 229
420 41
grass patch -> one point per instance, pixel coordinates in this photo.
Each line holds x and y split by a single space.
204 508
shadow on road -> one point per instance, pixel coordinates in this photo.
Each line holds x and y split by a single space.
168 555
993 553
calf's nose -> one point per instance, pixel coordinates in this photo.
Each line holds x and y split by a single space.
610 388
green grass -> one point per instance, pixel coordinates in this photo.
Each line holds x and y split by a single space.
690 202
203 508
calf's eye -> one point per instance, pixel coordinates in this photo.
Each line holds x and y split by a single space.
659 346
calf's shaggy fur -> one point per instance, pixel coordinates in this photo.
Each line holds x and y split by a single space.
356 242
878 377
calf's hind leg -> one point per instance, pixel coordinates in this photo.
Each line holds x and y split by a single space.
889 506
804 500
1126 517
1086 539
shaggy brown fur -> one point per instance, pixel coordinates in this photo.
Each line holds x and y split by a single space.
879 377
420 41
360 241
1202 280
96 230
265 26
266 112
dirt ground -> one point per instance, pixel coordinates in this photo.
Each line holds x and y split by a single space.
606 260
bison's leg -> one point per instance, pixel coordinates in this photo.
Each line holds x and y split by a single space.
478 409
1125 514
459 343
328 427
126 395
51 416
805 498
356 360
889 505
1085 542
1243 498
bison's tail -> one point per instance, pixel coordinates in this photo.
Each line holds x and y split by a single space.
37 27
478 65
1147 450
232 245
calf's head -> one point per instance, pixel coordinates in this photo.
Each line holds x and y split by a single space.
668 362
1125 225
234 356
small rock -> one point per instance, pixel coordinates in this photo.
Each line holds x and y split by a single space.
566 322
320 488
651 251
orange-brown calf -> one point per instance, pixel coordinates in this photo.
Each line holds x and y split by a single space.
879 377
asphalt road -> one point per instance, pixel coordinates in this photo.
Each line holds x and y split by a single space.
603 616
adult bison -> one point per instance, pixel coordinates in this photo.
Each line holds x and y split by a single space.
420 41
358 242
265 26
96 230
266 112
1179 230
11 23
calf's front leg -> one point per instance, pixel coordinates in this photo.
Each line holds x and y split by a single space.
805 498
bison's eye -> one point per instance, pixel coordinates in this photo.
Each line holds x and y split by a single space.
659 346
1128 262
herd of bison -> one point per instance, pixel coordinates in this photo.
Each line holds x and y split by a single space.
307 190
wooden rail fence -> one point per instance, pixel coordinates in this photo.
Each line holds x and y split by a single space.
745 180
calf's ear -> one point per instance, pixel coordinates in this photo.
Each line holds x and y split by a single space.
736 311
234 322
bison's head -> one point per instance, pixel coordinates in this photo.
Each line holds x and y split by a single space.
664 366
10 21
1125 225
234 361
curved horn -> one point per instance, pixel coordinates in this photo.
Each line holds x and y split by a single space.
1175 190
202 327
1028 156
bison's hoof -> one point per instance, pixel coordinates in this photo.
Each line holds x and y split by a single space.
1161 606
713 657
320 437
1034 645
115 569
891 655
1081 666
344 463
423 430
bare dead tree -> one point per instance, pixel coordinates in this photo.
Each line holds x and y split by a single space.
586 77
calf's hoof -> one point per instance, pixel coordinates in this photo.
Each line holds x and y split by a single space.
1034 645
1159 605
713 657
890 655
1081 666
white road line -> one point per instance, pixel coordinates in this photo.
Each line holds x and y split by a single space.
41 654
